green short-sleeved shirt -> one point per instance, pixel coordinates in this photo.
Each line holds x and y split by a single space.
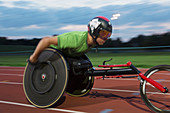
72 43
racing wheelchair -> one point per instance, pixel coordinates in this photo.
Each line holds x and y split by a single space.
46 81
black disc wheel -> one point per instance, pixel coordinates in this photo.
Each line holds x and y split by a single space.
43 77
46 81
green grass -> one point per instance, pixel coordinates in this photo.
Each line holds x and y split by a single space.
140 60
13 60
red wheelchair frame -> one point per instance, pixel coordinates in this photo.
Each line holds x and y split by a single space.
133 71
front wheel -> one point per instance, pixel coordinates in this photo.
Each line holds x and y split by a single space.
154 98
45 82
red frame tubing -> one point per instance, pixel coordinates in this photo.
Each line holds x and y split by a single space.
120 65
155 84
129 64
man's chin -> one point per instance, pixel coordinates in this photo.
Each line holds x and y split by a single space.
101 44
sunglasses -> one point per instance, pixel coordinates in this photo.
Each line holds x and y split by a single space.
104 34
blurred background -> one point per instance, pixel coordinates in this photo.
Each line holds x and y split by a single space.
141 33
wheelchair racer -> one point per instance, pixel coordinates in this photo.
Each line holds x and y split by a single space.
77 43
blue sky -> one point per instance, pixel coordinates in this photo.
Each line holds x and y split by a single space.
39 18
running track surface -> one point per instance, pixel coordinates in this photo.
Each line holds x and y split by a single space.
115 95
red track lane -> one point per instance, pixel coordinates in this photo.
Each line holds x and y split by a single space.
118 96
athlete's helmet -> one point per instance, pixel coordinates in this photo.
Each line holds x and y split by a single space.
100 27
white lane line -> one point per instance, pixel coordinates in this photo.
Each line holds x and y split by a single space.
27 105
119 79
125 79
11 74
13 83
129 91
100 89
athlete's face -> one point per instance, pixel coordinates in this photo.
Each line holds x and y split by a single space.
103 36
100 41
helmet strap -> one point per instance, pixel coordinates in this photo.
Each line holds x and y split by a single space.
95 40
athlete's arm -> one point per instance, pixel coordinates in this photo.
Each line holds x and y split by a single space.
42 45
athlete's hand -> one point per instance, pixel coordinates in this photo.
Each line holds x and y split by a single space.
32 60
